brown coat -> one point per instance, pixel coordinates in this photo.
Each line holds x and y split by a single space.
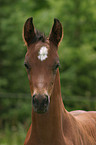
56 126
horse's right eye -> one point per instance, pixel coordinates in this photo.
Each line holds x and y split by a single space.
26 65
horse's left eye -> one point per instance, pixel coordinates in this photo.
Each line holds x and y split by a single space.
57 65
26 65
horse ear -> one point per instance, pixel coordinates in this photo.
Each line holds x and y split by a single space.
29 31
56 32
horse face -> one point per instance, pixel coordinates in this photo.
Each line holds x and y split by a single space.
41 62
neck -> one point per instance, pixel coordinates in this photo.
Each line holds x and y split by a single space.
47 125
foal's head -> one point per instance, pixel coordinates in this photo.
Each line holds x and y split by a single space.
41 62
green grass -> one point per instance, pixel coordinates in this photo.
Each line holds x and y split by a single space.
13 136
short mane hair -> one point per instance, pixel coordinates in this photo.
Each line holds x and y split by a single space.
39 36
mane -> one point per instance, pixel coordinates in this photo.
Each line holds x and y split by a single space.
39 36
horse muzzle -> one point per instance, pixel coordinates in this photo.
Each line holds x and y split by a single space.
40 103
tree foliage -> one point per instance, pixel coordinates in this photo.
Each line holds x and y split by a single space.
77 52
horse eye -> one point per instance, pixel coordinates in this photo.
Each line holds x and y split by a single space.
26 65
57 65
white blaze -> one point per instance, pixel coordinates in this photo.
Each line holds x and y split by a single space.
43 53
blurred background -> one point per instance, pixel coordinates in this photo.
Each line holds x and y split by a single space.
77 53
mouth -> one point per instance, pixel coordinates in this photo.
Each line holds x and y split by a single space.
41 110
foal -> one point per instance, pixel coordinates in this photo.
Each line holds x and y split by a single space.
51 123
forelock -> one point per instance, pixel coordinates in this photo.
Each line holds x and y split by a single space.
39 37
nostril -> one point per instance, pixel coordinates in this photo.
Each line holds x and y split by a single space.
45 101
34 96
46 96
35 101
